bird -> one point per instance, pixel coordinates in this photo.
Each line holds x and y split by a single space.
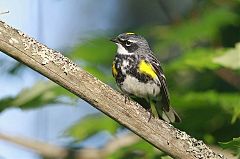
139 75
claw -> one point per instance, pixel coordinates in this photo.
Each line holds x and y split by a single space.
150 114
126 99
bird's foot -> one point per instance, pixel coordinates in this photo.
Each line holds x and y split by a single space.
127 99
150 114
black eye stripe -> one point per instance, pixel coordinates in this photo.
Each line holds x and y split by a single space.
125 43
128 43
130 48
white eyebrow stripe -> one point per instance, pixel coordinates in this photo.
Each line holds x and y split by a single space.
132 41
121 39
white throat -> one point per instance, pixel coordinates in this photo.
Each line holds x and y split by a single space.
121 50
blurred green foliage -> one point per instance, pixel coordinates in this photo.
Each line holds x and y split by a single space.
39 95
94 56
139 150
230 59
83 129
233 144
192 31
202 73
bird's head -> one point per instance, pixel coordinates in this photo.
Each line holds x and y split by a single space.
131 43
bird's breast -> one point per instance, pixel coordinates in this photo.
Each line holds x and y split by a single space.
133 86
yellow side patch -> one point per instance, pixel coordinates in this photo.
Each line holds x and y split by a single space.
147 68
114 70
130 33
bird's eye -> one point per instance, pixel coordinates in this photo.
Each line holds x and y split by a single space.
128 43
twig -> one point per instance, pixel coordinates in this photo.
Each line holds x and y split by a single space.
4 12
42 148
229 76
64 72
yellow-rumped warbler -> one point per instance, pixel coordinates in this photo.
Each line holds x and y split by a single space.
139 75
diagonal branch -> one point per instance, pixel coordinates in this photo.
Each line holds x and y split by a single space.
64 72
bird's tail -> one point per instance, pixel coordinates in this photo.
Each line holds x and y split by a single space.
170 116
166 113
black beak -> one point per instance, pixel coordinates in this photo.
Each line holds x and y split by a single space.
115 40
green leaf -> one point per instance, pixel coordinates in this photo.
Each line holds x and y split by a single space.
235 143
196 59
91 125
40 94
208 112
28 96
236 114
230 102
230 59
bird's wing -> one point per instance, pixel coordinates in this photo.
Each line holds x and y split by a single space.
164 90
